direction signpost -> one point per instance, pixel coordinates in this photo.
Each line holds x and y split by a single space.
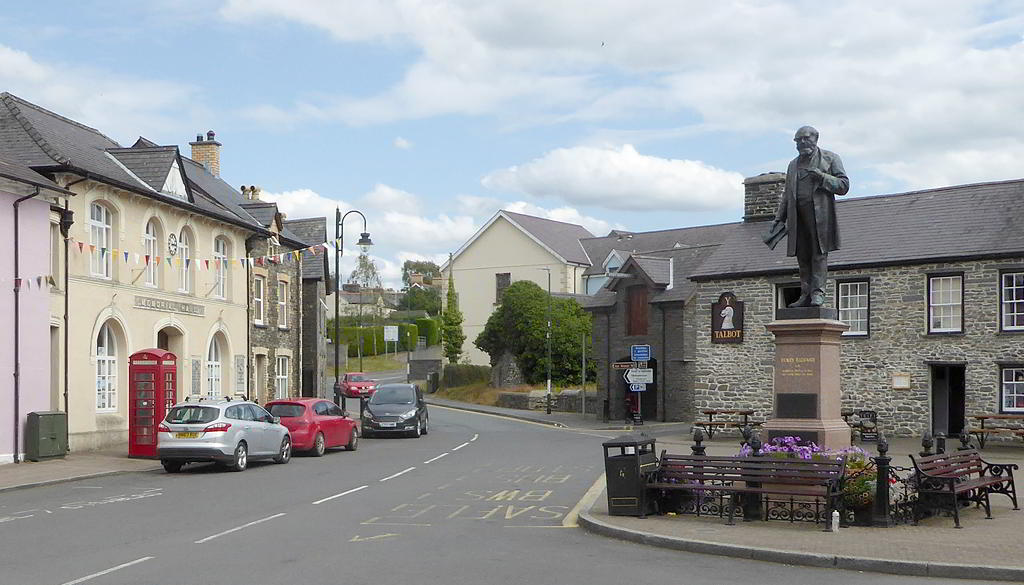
637 375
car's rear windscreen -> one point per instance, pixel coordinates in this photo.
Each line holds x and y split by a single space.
287 410
190 415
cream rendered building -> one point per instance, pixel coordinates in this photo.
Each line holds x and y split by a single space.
153 262
511 247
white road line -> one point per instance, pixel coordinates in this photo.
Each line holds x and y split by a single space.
474 438
460 446
110 570
351 491
404 471
571 519
237 528
435 458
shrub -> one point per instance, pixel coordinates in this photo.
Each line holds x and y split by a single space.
431 329
407 335
463 375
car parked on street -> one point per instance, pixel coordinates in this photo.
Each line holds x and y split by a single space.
316 424
396 408
229 432
356 385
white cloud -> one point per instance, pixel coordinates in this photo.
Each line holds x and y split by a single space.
622 178
121 107
402 144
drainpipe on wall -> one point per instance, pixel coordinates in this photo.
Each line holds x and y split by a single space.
17 326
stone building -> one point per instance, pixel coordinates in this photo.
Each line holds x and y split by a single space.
931 283
314 309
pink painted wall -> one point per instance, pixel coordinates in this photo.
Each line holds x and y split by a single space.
34 258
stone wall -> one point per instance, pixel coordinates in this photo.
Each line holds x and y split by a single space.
315 356
271 335
505 372
761 196
420 368
741 375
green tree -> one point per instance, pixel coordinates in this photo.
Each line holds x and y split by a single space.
519 326
366 273
452 336
421 299
429 270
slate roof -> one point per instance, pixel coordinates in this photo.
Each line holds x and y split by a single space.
311 231
643 242
263 211
963 221
655 264
563 238
151 164
23 174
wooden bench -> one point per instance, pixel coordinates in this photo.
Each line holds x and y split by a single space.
754 477
711 426
949 478
983 432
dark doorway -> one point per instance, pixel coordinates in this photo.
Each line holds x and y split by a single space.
949 389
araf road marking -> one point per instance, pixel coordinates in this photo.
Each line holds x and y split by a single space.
572 518
376 522
435 458
108 571
351 491
358 538
474 438
237 528
460 446
404 471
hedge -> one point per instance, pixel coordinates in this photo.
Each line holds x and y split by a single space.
431 329
464 374
407 336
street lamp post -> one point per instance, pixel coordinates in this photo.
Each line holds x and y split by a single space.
364 242
548 401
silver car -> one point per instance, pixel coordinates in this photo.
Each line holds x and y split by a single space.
223 431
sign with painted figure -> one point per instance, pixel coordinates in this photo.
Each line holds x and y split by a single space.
727 319
640 353
391 333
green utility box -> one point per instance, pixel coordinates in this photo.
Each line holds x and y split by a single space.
46 435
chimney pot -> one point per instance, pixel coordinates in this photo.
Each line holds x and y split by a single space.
199 137
210 135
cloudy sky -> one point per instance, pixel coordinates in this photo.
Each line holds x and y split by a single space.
430 115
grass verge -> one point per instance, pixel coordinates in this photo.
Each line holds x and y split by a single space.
374 363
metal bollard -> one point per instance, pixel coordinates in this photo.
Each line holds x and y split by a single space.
698 438
965 442
926 443
752 502
940 443
880 514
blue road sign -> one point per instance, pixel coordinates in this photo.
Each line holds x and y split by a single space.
637 387
640 353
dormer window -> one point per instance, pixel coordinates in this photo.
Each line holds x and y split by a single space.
273 246
174 184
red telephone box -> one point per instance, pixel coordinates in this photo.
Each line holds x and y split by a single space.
153 376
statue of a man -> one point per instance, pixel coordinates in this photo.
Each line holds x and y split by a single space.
808 212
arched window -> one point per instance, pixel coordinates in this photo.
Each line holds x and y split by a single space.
106 370
185 257
220 262
213 368
101 239
150 241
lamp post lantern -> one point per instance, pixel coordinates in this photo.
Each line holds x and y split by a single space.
364 243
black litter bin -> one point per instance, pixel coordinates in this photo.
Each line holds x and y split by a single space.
628 462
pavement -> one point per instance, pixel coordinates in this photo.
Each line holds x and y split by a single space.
984 549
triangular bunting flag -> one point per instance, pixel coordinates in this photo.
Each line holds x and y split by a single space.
188 263
50 281
126 258
92 248
147 260
207 262
39 281
80 246
169 262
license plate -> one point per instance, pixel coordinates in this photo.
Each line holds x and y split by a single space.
186 435
388 424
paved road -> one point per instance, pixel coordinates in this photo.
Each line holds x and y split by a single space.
480 500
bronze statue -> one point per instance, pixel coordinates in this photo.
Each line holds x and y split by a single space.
807 213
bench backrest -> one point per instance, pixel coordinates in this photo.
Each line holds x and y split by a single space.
951 464
710 468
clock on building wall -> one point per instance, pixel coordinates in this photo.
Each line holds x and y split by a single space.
172 245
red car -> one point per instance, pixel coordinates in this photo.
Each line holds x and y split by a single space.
357 385
315 424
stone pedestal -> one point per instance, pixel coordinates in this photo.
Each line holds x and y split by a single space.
807 396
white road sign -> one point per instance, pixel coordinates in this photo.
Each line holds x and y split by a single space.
391 333
639 376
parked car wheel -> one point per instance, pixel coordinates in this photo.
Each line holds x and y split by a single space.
284 454
419 427
241 457
353 441
319 445
426 423
172 466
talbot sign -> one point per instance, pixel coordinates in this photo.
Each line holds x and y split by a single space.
727 320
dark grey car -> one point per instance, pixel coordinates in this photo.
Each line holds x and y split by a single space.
396 409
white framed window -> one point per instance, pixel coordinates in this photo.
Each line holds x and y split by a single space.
946 304
185 256
220 263
281 378
1013 389
149 243
101 239
273 246
853 306
282 304
106 370
1012 297
257 300
213 369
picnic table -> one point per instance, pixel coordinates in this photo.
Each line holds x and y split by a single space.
983 432
711 425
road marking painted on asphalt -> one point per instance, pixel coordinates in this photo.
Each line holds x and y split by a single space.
588 499
403 472
237 528
460 446
358 538
351 491
375 521
108 571
435 458
426 495
474 438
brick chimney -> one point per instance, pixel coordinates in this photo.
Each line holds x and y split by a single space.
207 152
761 195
